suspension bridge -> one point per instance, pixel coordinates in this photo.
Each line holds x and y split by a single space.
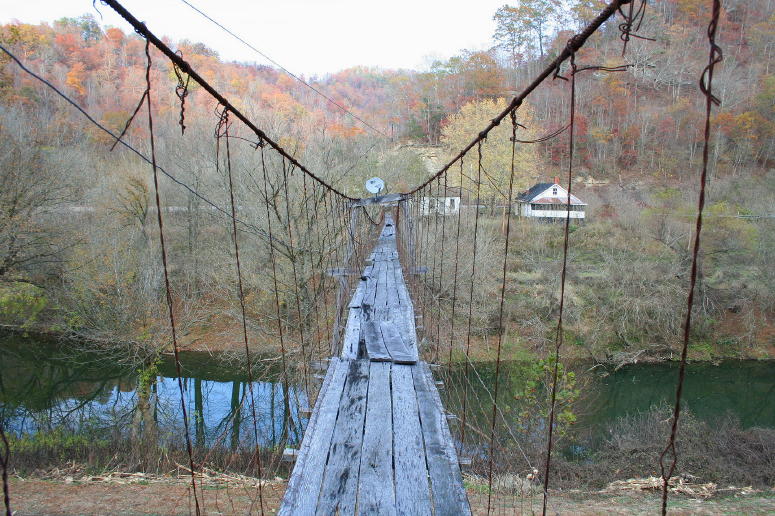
378 439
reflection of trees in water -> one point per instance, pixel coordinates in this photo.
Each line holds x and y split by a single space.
45 389
744 389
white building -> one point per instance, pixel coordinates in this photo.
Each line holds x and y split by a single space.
442 205
549 201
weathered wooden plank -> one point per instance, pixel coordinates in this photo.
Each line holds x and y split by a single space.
411 474
304 485
352 334
380 291
446 483
357 298
375 486
375 345
340 481
370 293
395 345
450 452
393 297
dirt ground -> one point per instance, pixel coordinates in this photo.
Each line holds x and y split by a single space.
73 497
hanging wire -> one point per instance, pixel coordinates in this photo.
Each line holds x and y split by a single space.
280 245
454 287
224 123
559 334
289 223
141 29
4 461
286 383
501 328
632 17
168 290
574 44
181 90
278 65
434 295
464 408
441 270
315 287
715 56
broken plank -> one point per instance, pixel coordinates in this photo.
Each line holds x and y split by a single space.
399 353
375 491
375 345
340 481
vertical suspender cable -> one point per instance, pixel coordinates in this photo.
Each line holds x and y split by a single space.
706 86
242 308
501 329
168 291
471 292
559 335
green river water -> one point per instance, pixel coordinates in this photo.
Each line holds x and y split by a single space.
44 386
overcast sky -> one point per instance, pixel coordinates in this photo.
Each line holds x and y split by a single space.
305 36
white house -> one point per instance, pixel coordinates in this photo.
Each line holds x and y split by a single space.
445 204
549 201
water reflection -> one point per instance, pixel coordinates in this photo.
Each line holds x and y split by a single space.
592 401
45 387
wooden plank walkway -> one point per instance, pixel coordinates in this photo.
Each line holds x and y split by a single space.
378 440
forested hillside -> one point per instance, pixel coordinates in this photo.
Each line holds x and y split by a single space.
76 249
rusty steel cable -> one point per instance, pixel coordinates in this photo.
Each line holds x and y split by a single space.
501 329
183 65
441 267
632 17
310 231
706 87
167 288
181 90
272 259
544 138
434 295
281 67
5 457
224 122
426 229
129 121
559 333
246 225
296 281
326 264
464 407
454 280
574 44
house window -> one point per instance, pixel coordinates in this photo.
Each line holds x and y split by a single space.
554 191
452 204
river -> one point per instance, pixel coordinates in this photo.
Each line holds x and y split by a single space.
44 386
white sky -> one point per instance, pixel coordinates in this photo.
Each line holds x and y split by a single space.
305 36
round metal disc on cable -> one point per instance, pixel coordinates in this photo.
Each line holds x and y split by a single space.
375 185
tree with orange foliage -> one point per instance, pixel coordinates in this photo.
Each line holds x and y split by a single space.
76 77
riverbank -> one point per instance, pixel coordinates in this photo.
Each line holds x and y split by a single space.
136 495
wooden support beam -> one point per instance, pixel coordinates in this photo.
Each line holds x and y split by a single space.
379 199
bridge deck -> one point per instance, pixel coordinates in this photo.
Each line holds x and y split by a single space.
378 440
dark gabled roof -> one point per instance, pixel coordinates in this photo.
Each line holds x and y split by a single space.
534 190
